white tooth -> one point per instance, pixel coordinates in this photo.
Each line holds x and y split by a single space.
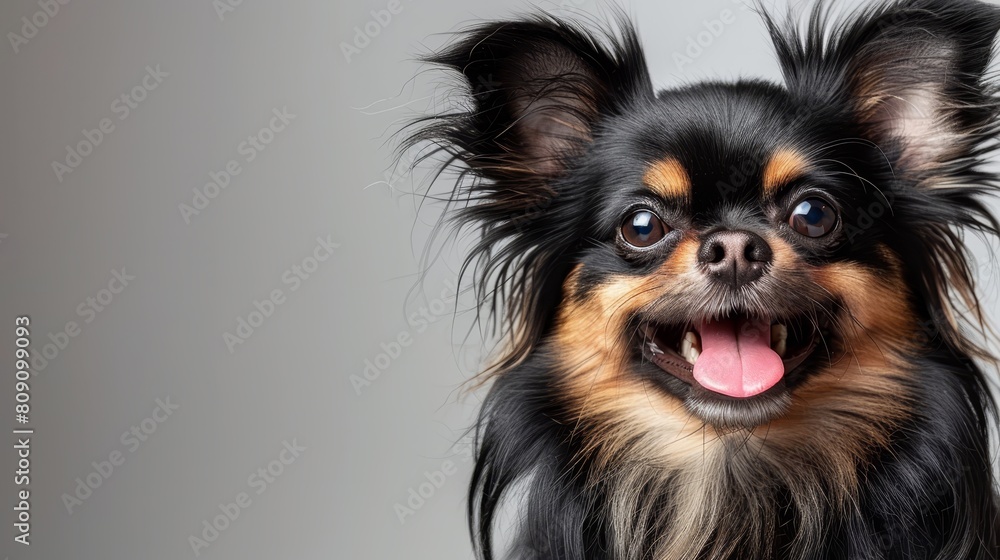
689 347
654 348
779 339
693 340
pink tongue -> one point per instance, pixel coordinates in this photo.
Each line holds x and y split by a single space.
736 358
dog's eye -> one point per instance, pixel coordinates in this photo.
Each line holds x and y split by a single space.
813 217
643 229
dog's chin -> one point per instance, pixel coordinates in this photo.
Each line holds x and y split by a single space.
667 355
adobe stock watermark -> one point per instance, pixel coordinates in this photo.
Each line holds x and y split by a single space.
405 166
131 440
569 8
711 30
741 174
249 149
866 216
365 33
572 6
224 7
122 106
258 481
31 25
292 278
418 496
419 321
390 177
87 310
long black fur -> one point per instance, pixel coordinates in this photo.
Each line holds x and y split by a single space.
930 494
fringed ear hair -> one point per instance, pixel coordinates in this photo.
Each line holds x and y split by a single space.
912 73
537 88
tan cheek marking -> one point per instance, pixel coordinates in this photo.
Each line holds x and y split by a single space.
877 301
668 179
785 164
621 295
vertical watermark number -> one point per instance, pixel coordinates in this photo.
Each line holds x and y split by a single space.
22 432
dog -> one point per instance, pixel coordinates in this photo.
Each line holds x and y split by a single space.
739 319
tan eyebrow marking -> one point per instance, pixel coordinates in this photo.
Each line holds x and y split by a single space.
785 164
668 179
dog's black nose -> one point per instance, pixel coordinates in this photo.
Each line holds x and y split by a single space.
734 258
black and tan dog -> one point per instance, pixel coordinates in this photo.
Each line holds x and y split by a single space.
737 314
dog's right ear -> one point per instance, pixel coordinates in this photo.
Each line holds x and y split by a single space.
537 88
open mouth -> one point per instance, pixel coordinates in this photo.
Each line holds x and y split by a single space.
737 356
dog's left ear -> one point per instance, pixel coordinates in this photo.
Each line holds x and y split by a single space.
912 73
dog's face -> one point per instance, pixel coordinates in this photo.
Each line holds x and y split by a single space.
728 258
727 270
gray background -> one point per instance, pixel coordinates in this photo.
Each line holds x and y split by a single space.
328 173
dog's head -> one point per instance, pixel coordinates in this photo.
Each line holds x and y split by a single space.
691 273
726 256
